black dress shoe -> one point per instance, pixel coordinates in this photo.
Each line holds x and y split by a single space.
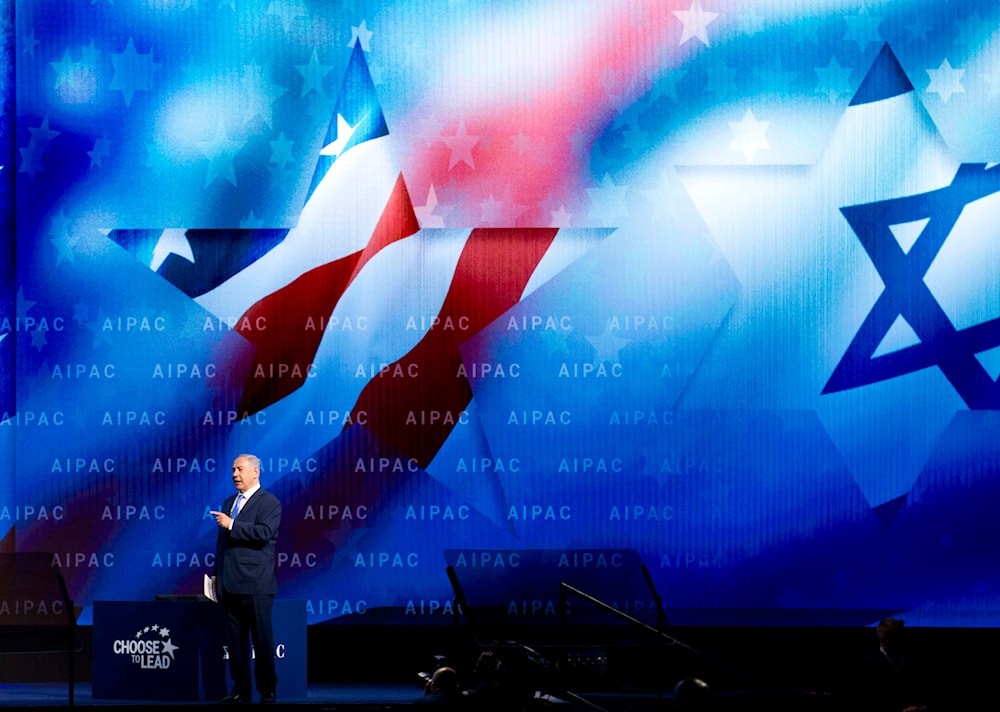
235 699
268 698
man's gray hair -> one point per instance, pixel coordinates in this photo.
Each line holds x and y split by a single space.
252 459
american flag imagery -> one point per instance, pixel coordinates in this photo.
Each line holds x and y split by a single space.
541 291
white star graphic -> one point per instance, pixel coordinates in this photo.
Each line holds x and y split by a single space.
169 647
67 71
281 151
696 21
425 212
344 133
461 145
748 135
363 35
560 217
945 81
220 151
64 238
260 93
862 29
133 71
172 242
491 211
287 11
607 347
834 80
313 74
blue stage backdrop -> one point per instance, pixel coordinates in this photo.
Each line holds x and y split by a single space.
547 291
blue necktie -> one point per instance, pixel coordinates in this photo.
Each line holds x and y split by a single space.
236 507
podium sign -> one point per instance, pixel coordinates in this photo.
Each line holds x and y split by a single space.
175 651
146 650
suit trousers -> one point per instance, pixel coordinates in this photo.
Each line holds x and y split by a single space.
248 620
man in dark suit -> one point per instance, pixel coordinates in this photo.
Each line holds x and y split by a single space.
246 578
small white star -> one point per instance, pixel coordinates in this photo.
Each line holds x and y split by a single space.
220 151
133 71
834 80
748 135
313 74
862 29
287 11
363 35
945 81
491 211
281 151
344 133
425 213
607 346
560 217
172 242
461 145
696 22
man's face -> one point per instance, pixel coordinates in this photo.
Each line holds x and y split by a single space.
244 476
892 641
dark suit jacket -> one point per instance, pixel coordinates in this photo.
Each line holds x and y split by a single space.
883 687
244 555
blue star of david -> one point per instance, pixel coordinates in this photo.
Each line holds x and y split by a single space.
907 295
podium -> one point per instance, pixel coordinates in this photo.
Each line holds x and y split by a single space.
174 650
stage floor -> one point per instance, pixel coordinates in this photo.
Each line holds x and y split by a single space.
325 696
353 697
364 697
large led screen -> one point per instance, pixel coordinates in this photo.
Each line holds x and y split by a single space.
684 298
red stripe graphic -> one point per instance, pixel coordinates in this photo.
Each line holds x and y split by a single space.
415 415
287 326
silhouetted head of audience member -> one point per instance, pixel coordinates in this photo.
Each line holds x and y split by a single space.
500 684
691 694
444 682
443 689
890 637
487 670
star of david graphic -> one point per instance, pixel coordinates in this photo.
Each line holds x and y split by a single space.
907 295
